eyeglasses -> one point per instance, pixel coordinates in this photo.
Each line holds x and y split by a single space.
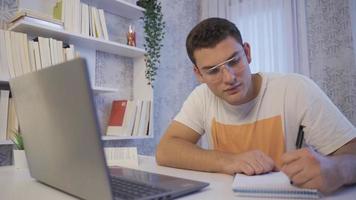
215 72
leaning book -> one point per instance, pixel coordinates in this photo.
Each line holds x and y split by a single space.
270 185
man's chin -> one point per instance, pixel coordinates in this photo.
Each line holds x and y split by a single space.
234 100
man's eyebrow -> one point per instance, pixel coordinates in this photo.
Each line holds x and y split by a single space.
208 67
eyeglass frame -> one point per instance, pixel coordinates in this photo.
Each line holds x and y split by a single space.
238 57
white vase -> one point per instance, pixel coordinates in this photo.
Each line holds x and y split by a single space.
20 160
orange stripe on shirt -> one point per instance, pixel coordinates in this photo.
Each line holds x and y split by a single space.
265 135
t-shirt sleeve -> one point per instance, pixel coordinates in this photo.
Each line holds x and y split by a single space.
191 113
326 128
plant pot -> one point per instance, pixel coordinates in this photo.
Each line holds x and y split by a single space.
20 160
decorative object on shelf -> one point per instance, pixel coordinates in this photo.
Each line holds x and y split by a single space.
17 139
131 37
154 29
20 160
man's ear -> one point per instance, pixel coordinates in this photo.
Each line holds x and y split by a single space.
247 49
198 74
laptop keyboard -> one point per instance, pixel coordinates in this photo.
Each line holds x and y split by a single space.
126 189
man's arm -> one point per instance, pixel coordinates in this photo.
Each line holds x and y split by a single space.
178 148
309 169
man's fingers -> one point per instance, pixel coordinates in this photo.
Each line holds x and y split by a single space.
293 156
257 167
266 162
300 178
289 157
276 169
312 183
292 170
247 169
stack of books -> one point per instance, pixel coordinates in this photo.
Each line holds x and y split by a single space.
130 118
82 19
20 56
8 118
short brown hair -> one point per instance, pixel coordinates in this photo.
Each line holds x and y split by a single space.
208 33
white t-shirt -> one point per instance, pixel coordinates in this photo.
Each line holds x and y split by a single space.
291 99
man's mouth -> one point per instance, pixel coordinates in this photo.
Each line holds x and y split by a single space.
234 89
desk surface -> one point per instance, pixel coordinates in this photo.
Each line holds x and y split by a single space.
17 184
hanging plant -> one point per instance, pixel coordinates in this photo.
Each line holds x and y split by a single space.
154 34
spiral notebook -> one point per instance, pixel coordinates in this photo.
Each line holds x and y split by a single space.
271 185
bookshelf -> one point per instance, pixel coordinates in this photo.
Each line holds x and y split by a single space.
120 7
77 39
4 84
5 142
87 47
103 89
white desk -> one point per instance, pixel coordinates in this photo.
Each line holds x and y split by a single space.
18 185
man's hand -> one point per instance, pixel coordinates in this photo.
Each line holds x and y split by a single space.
309 169
250 163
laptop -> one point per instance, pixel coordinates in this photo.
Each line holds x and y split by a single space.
63 144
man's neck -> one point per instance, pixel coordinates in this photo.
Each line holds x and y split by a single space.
255 87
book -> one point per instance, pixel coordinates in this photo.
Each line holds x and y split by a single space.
60 51
115 125
129 120
36 49
57 10
4 69
97 23
69 52
270 185
85 19
77 16
26 65
121 156
8 45
12 121
103 24
144 119
136 125
126 124
45 52
31 51
53 50
15 40
4 107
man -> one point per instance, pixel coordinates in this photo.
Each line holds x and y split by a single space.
252 120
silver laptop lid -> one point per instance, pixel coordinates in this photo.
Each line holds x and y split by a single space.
47 120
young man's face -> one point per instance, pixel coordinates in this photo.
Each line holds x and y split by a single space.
225 69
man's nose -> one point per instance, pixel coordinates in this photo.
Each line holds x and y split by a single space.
228 74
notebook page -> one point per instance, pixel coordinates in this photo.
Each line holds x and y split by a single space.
121 156
266 181
272 184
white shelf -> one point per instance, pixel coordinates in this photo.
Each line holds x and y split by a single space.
77 39
2 142
104 89
109 137
120 7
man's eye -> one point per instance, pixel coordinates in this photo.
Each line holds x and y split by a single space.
213 71
234 62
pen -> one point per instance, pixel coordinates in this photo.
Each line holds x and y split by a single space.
300 138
